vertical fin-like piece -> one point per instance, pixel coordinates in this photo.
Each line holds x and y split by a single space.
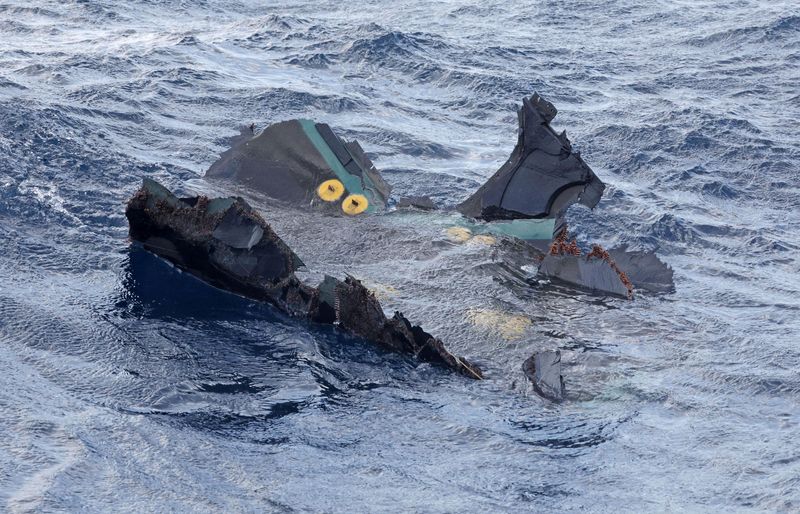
542 177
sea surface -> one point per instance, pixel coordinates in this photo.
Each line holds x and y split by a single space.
129 386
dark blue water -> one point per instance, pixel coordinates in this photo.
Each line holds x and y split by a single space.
127 385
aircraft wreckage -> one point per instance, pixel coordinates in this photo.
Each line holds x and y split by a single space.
225 242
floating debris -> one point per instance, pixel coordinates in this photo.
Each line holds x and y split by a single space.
228 244
307 165
543 369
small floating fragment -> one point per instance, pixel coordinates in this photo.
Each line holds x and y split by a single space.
544 371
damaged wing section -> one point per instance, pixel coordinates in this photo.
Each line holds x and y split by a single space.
228 244
290 161
541 178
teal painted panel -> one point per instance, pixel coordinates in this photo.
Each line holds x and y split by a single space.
351 183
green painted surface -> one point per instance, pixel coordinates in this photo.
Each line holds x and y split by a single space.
369 184
522 229
525 229
351 183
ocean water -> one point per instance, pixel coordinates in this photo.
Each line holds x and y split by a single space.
126 385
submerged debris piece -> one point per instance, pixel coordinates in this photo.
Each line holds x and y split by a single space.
509 326
544 371
228 244
458 234
483 239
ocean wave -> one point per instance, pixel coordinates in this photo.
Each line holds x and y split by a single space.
780 30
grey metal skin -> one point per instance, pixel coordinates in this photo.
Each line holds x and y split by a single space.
285 162
542 177
280 162
644 269
543 369
591 274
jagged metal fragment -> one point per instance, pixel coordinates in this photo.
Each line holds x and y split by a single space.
541 178
226 243
543 369
593 274
358 311
190 232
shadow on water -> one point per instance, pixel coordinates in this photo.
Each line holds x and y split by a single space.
153 288
255 351
246 363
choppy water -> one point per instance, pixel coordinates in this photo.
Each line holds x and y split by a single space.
127 385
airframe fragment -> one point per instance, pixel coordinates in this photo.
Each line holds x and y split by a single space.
228 244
